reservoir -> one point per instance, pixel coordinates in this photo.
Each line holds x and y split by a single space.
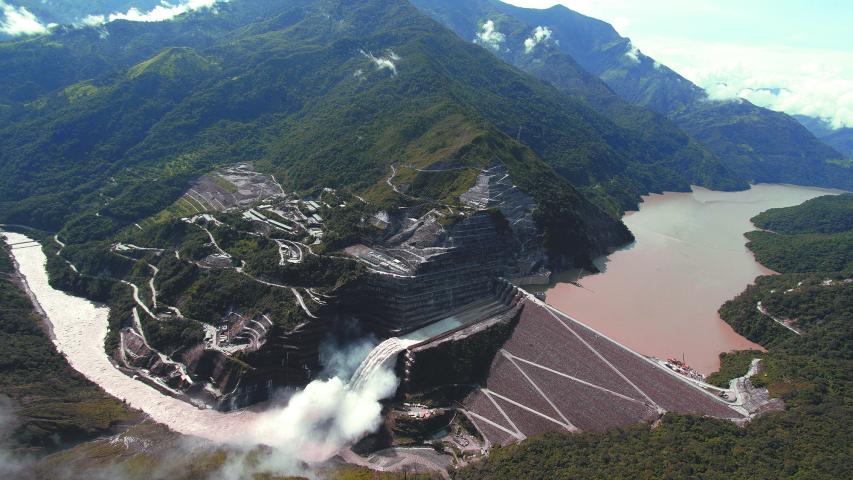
660 295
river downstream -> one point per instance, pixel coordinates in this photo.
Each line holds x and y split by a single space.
80 327
660 295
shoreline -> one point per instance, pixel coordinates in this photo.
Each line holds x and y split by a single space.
661 294
79 328
21 281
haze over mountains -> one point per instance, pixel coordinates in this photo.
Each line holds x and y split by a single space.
254 80
840 139
258 190
758 144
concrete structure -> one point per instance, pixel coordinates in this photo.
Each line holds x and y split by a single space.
556 374
427 270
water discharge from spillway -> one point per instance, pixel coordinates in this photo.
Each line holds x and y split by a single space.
314 424
380 358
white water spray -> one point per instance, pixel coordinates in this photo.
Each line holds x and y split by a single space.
313 426
379 358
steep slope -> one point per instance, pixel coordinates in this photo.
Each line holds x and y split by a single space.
676 160
840 139
320 93
743 136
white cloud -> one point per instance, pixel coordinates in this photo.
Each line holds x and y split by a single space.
92 21
385 62
540 34
11 464
164 11
330 413
633 53
19 21
805 81
488 36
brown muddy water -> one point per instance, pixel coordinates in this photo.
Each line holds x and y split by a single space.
660 295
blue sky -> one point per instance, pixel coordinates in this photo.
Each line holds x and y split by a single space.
737 48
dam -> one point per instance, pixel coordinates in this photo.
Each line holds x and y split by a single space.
528 368
545 371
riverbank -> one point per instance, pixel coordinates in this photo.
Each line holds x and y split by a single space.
660 295
79 329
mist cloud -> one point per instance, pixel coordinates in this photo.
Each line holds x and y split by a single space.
633 53
540 34
385 62
488 36
19 21
805 81
328 414
11 465
164 11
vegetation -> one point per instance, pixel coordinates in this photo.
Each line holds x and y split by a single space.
812 373
812 237
130 118
827 214
739 141
54 405
732 365
807 252
149 450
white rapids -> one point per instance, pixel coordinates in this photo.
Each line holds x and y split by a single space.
378 359
80 327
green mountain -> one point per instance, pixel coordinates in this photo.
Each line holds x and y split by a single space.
840 139
814 236
757 144
318 94
670 148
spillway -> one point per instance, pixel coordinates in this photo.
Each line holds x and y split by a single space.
382 356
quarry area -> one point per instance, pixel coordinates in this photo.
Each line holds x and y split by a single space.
437 291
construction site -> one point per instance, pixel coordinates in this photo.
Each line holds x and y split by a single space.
480 361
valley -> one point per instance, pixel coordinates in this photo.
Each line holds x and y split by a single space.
251 240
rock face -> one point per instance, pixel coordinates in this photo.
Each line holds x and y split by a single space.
494 190
429 267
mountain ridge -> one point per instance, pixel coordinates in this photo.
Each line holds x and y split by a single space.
755 153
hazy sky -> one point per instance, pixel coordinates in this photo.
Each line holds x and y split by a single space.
790 55
736 47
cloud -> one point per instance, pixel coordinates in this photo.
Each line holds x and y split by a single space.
385 62
324 417
633 53
805 81
19 21
11 464
164 11
489 37
540 34
330 412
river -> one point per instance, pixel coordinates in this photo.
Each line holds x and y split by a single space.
660 295
312 426
80 327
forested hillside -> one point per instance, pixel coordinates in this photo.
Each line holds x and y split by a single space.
44 404
757 144
679 161
840 139
809 370
133 116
